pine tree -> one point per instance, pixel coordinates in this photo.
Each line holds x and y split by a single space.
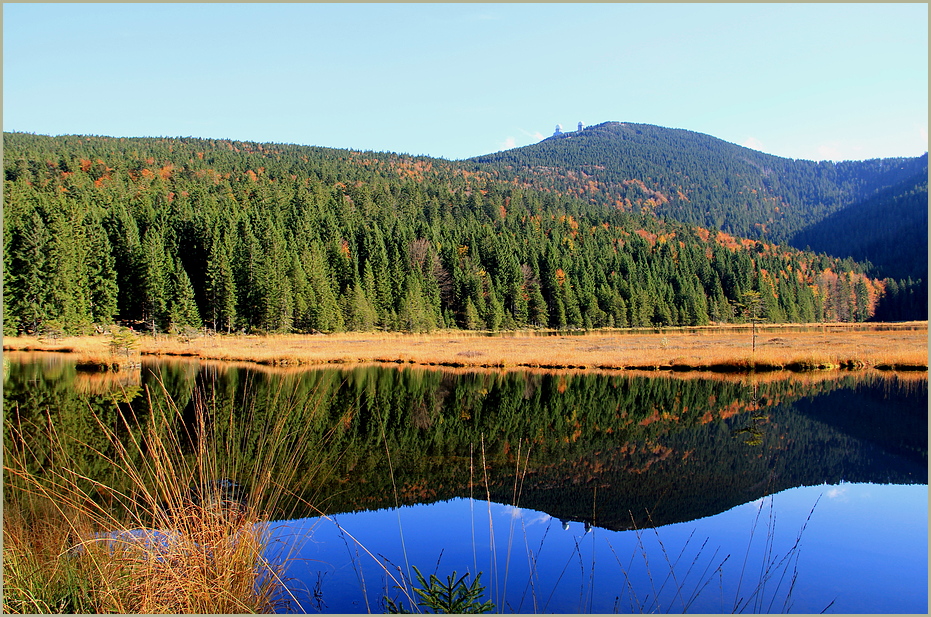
221 284
358 310
156 289
103 285
182 307
494 315
27 276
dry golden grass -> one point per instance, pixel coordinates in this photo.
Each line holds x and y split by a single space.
802 347
143 544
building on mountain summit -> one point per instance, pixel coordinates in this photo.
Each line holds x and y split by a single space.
559 133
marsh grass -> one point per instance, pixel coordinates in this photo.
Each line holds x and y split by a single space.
162 534
800 347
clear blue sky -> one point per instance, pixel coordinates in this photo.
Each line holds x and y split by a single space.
812 81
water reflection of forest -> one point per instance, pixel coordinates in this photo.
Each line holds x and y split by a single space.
613 449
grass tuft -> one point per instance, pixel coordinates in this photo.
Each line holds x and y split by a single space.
180 527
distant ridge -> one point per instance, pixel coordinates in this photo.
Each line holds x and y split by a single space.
696 178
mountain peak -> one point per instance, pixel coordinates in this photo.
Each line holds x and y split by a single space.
697 178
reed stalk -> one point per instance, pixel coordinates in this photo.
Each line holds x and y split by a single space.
180 526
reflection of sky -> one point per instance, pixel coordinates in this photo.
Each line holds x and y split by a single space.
862 546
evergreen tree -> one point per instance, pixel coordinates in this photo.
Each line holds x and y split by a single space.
247 276
471 319
221 285
358 310
27 276
494 315
126 245
155 290
323 309
537 308
862 306
415 314
70 293
103 285
182 307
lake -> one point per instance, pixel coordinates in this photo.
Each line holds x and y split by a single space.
568 492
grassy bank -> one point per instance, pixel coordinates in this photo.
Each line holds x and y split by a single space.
179 525
718 348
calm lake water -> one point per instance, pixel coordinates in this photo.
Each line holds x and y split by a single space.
568 492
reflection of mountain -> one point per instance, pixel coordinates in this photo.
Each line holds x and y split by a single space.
576 446
601 447
856 435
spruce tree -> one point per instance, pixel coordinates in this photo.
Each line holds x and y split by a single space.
494 314
359 314
155 266
182 307
221 284
70 293
103 285
27 276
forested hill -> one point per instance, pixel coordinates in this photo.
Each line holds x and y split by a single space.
696 178
889 229
181 233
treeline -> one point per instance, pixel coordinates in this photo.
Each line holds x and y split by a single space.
696 178
190 233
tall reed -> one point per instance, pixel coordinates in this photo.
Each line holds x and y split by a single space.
178 525
676 578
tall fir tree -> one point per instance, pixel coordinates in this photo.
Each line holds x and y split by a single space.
182 306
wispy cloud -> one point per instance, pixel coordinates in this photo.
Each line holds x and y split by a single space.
537 135
829 152
530 517
753 143
514 142
513 512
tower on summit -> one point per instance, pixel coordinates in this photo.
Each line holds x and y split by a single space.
558 130
580 127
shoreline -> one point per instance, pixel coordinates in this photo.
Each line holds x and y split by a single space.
725 349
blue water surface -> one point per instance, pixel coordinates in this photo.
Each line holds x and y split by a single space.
847 548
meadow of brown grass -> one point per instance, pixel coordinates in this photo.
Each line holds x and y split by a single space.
731 348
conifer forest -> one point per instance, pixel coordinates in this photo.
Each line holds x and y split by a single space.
169 234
